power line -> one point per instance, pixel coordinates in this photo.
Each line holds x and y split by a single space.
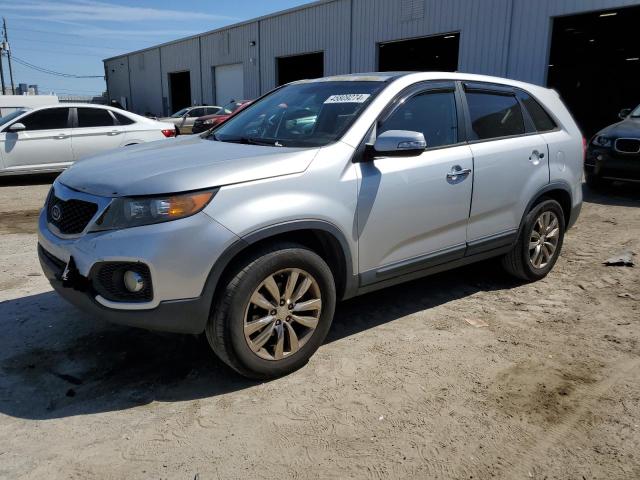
52 72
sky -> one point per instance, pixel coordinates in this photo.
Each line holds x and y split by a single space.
74 36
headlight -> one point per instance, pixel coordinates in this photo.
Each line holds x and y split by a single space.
602 141
129 212
208 121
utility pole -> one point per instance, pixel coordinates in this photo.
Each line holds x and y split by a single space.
6 42
1 68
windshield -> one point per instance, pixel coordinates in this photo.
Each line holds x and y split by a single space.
310 114
10 116
180 113
636 112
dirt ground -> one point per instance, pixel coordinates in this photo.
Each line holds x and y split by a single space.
404 387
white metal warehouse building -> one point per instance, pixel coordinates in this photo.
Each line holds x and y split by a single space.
587 49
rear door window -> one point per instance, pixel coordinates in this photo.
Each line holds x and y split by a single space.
49 119
94 117
541 119
432 113
494 115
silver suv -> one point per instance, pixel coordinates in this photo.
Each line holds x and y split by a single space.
319 191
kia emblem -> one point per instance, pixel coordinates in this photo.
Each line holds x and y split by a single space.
56 213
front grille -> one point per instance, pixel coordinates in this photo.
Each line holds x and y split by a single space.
108 281
628 145
71 216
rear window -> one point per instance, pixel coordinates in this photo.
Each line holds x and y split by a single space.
94 117
541 119
494 115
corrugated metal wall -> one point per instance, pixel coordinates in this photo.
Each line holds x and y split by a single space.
146 81
232 46
497 37
178 57
322 28
117 71
483 27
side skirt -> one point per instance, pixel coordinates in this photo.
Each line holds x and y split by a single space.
413 269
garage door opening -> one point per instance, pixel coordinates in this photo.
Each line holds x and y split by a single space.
436 53
595 65
180 90
300 67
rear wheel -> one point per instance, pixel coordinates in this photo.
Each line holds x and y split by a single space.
539 244
274 313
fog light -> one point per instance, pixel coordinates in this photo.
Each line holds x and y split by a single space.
599 158
133 281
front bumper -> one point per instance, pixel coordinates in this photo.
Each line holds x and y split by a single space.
180 256
605 163
178 316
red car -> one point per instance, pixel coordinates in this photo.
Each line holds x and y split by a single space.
209 121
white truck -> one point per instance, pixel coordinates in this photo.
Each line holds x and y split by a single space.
11 103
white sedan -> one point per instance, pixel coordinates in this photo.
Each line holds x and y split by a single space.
51 138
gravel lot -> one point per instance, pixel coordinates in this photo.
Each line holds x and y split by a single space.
404 387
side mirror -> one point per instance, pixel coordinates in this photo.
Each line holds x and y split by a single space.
624 113
400 143
17 127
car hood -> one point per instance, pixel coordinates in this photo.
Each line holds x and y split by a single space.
628 128
181 164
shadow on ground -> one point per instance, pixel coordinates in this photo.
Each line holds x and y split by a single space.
58 362
24 180
615 194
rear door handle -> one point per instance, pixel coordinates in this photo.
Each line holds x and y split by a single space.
114 132
457 172
61 136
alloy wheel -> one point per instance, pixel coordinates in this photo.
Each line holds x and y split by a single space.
544 239
282 314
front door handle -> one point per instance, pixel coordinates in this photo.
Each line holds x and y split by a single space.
457 173
61 136
114 132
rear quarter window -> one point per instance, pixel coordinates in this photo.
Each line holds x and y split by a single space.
541 119
122 119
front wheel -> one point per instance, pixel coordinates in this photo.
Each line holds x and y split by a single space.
539 244
274 313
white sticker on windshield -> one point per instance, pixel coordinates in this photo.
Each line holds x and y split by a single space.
348 98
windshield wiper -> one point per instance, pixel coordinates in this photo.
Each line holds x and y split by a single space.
249 141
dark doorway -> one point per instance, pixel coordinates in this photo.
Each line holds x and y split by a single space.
300 67
180 90
595 65
437 53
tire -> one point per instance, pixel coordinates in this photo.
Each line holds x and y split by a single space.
521 262
234 309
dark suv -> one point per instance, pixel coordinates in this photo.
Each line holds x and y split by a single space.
614 152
